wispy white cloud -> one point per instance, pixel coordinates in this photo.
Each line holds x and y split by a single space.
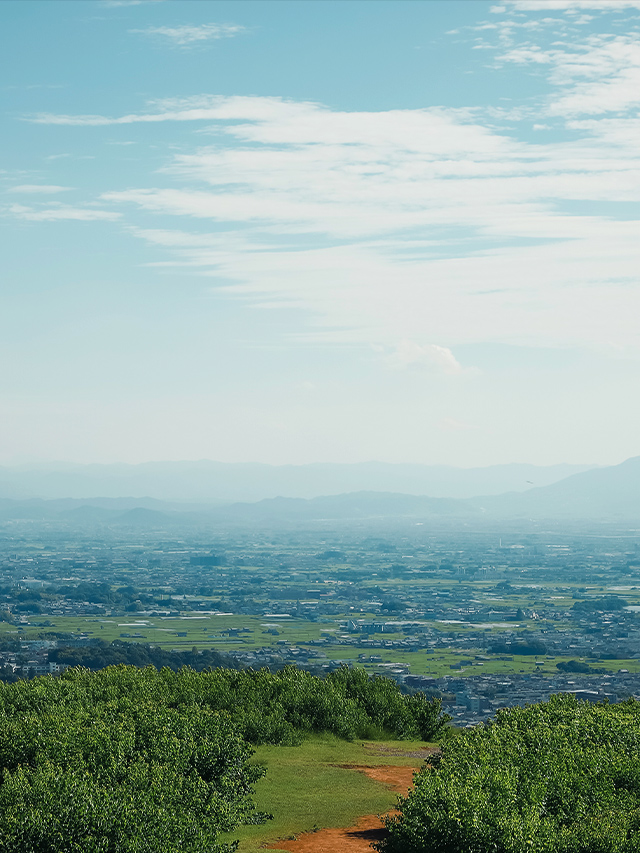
405 225
38 189
187 34
197 108
429 227
600 75
61 212
564 5
30 86
409 354
116 3
207 109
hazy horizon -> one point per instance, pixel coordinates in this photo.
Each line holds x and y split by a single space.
42 464
320 233
206 481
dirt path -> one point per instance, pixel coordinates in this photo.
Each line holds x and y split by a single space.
358 838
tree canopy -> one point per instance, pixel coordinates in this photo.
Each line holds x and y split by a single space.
129 760
558 777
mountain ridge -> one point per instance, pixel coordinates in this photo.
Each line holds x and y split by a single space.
210 482
603 493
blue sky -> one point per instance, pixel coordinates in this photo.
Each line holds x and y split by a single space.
297 232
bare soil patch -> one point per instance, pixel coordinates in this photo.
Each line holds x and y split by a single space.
397 778
369 828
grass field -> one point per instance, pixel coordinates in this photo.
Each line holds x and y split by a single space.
306 789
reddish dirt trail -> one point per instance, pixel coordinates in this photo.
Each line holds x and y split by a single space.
357 838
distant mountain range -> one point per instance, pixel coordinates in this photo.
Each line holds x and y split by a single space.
218 482
611 493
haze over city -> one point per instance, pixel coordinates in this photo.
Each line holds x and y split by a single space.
294 233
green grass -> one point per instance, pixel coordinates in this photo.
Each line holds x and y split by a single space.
203 631
305 789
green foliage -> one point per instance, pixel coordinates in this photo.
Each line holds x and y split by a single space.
94 763
562 776
606 603
129 760
281 707
388 710
533 647
576 666
99 654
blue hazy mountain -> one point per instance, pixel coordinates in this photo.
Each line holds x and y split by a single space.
216 482
605 493
610 493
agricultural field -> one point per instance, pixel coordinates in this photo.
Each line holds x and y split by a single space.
553 609
211 631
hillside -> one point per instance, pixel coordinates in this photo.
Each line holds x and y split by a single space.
612 492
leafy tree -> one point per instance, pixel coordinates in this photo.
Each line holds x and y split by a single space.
141 760
94 763
99 654
559 777
576 666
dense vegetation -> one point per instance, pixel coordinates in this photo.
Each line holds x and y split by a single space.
96 763
99 654
561 776
130 760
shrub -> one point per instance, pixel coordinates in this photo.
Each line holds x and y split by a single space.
94 764
561 776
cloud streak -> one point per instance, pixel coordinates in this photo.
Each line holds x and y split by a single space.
566 5
187 35
114 4
601 76
38 189
409 354
59 213
399 225
429 227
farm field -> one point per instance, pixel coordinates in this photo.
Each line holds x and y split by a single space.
251 633
482 618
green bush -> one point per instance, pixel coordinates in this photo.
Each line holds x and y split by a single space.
562 776
95 764
281 707
129 760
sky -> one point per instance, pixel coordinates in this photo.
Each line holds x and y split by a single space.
294 232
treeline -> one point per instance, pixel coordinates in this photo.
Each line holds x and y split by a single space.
126 598
559 777
283 706
137 760
100 654
605 604
578 666
520 647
